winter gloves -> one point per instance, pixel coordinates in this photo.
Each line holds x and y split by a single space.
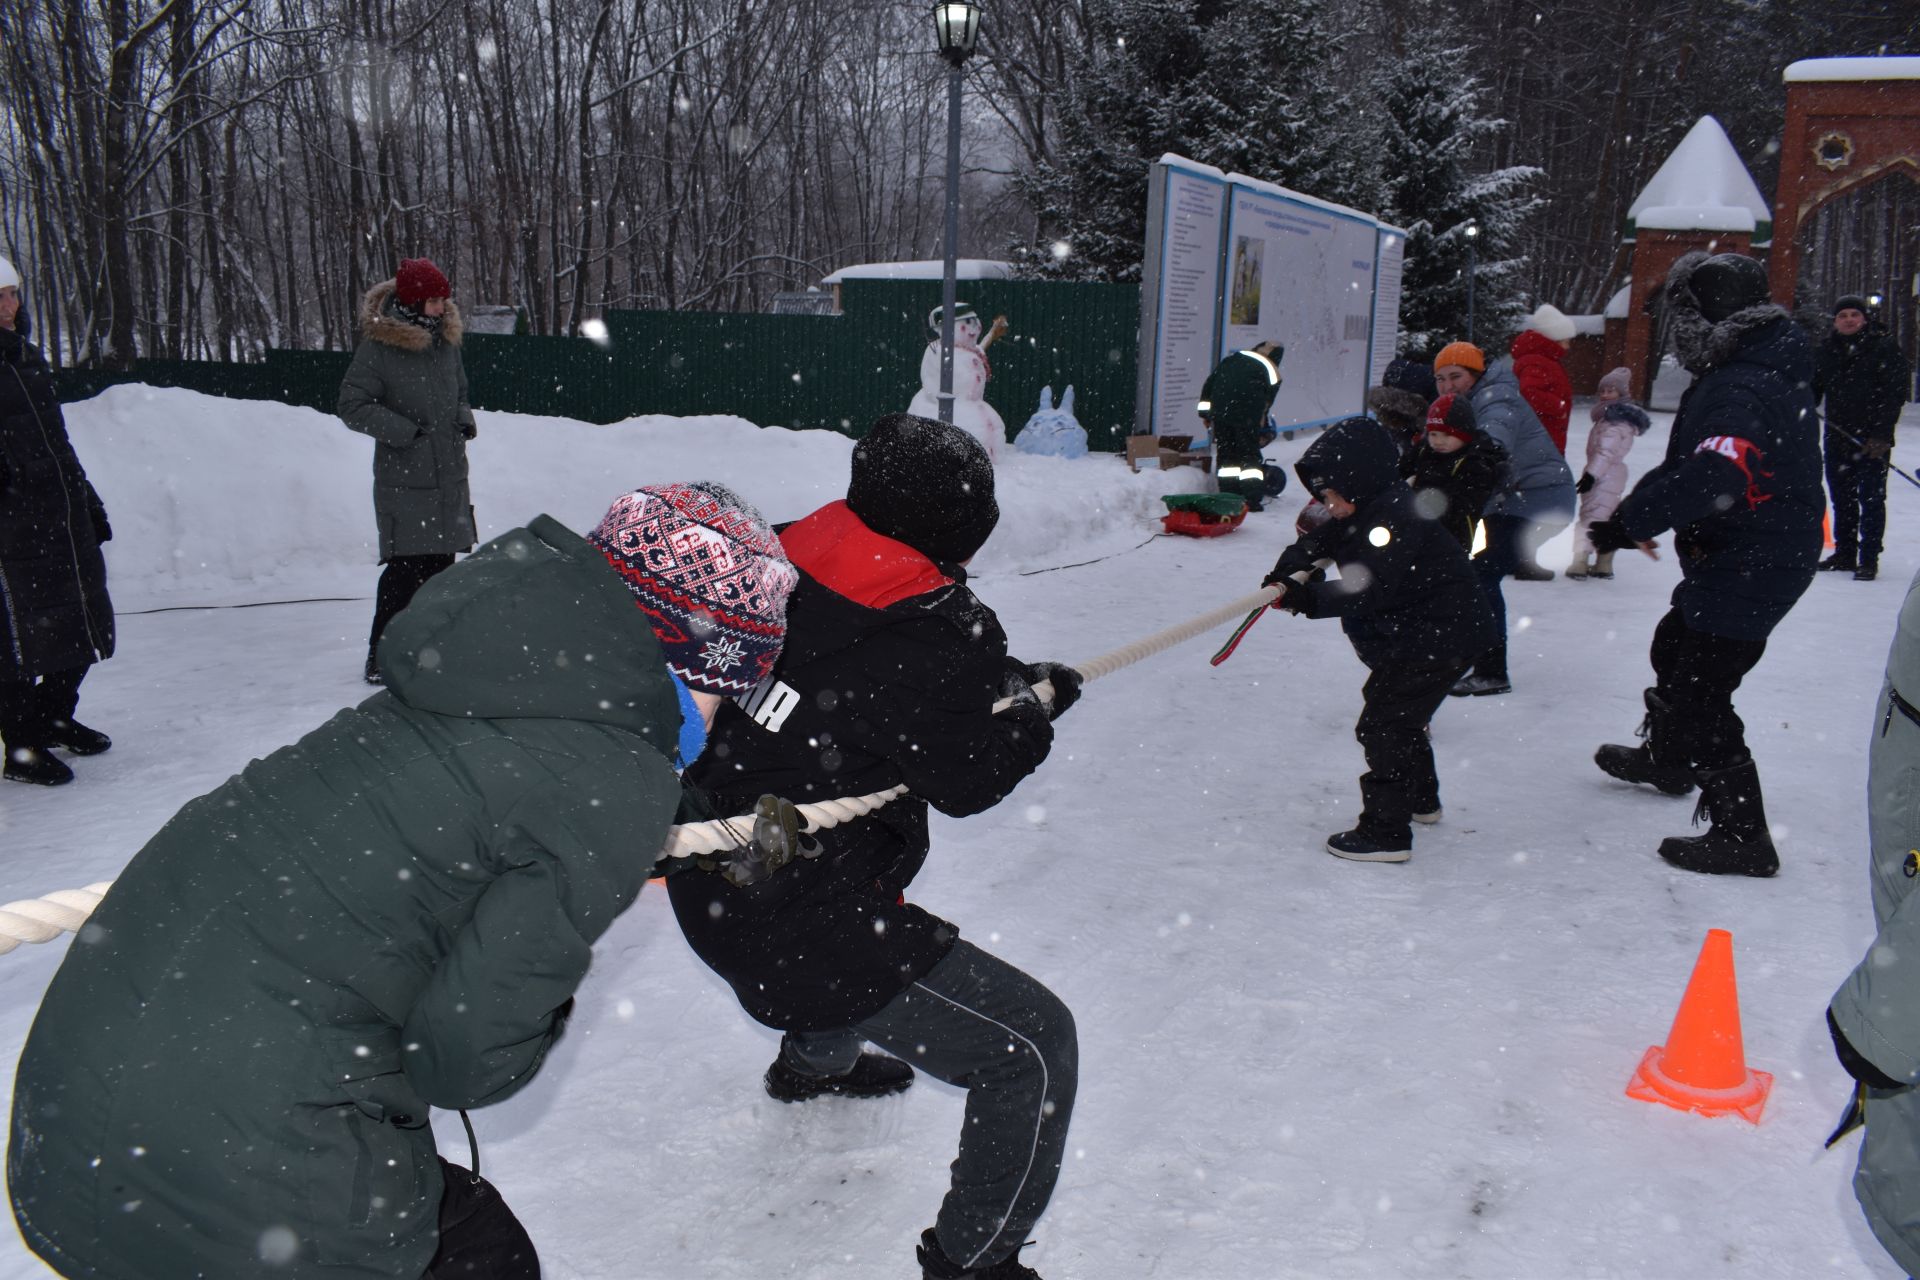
1586 482
1611 535
1065 680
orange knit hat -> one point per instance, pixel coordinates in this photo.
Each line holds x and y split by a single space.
1464 354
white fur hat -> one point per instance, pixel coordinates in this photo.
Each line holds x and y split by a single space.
1551 322
9 278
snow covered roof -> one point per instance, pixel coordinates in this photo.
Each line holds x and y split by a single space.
1589 326
1616 308
1685 217
1703 173
1853 69
931 269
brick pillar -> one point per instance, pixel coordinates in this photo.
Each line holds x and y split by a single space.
1654 253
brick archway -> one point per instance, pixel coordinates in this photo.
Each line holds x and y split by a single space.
1850 122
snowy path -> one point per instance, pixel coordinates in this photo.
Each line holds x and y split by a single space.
1292 1066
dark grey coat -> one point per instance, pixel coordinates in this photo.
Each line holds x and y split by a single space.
1878 1007
54 610
230 1073
407 389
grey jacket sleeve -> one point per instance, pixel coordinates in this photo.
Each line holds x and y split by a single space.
1878 1006
362 404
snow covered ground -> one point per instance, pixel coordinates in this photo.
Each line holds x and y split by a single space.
1292 1066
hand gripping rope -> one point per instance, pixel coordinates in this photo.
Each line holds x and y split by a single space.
64 911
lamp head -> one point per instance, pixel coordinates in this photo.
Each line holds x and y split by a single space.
956 23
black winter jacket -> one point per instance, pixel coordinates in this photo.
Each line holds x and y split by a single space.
1406 593
889 672
1741 483
54 609
1454 487
1864 380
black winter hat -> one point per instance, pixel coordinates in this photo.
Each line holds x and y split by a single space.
1722 285
924 483
1853 302
1355 457
1411 375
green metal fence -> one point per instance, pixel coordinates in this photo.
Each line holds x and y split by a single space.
833 372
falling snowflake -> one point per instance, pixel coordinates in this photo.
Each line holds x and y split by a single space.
723 654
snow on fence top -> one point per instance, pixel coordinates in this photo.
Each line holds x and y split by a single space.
1703 173
1589 326
931 269
1616 308
1812 69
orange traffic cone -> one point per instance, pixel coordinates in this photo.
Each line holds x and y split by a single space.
1826 530
1703 1066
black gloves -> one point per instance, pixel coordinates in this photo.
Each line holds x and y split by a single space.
1611 535
102 529
1066 684
468 430
1586 482
1856 1065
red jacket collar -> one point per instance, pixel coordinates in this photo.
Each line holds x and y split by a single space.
835 548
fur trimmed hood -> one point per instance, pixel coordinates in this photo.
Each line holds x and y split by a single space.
1402 410
378 322
1703 346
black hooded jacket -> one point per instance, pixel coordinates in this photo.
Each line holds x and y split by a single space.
1406 593
1741 483
889 672
1454 487
1864 380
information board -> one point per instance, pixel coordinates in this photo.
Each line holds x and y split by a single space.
1186 214
1231 261
1302 275
1387 264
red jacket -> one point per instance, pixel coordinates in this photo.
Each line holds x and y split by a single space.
1544 382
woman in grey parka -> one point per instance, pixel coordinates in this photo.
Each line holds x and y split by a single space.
407 388
1875 1016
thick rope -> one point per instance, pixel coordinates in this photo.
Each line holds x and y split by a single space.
722 834
42 919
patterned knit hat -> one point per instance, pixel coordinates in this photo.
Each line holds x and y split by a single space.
709 573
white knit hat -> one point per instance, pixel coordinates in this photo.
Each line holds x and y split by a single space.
9 278
1549 321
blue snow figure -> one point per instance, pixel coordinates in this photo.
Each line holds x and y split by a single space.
1053 430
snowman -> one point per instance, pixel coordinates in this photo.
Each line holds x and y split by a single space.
971 413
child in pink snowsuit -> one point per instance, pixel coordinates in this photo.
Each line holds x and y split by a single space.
1617 423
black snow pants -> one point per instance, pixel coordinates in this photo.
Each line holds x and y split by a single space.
403 576
480 1239
1695 674
978 1022
1857 484
1400 780
29 707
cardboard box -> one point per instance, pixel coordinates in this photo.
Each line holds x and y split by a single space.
1170 451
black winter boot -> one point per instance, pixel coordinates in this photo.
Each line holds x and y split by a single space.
76 737
1867 572
1839 562
934 1264
37 765
1650 762
1738 843
874 1075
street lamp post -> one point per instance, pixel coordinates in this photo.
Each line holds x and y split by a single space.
957 24
1473 241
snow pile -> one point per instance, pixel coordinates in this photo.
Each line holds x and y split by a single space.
235 501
